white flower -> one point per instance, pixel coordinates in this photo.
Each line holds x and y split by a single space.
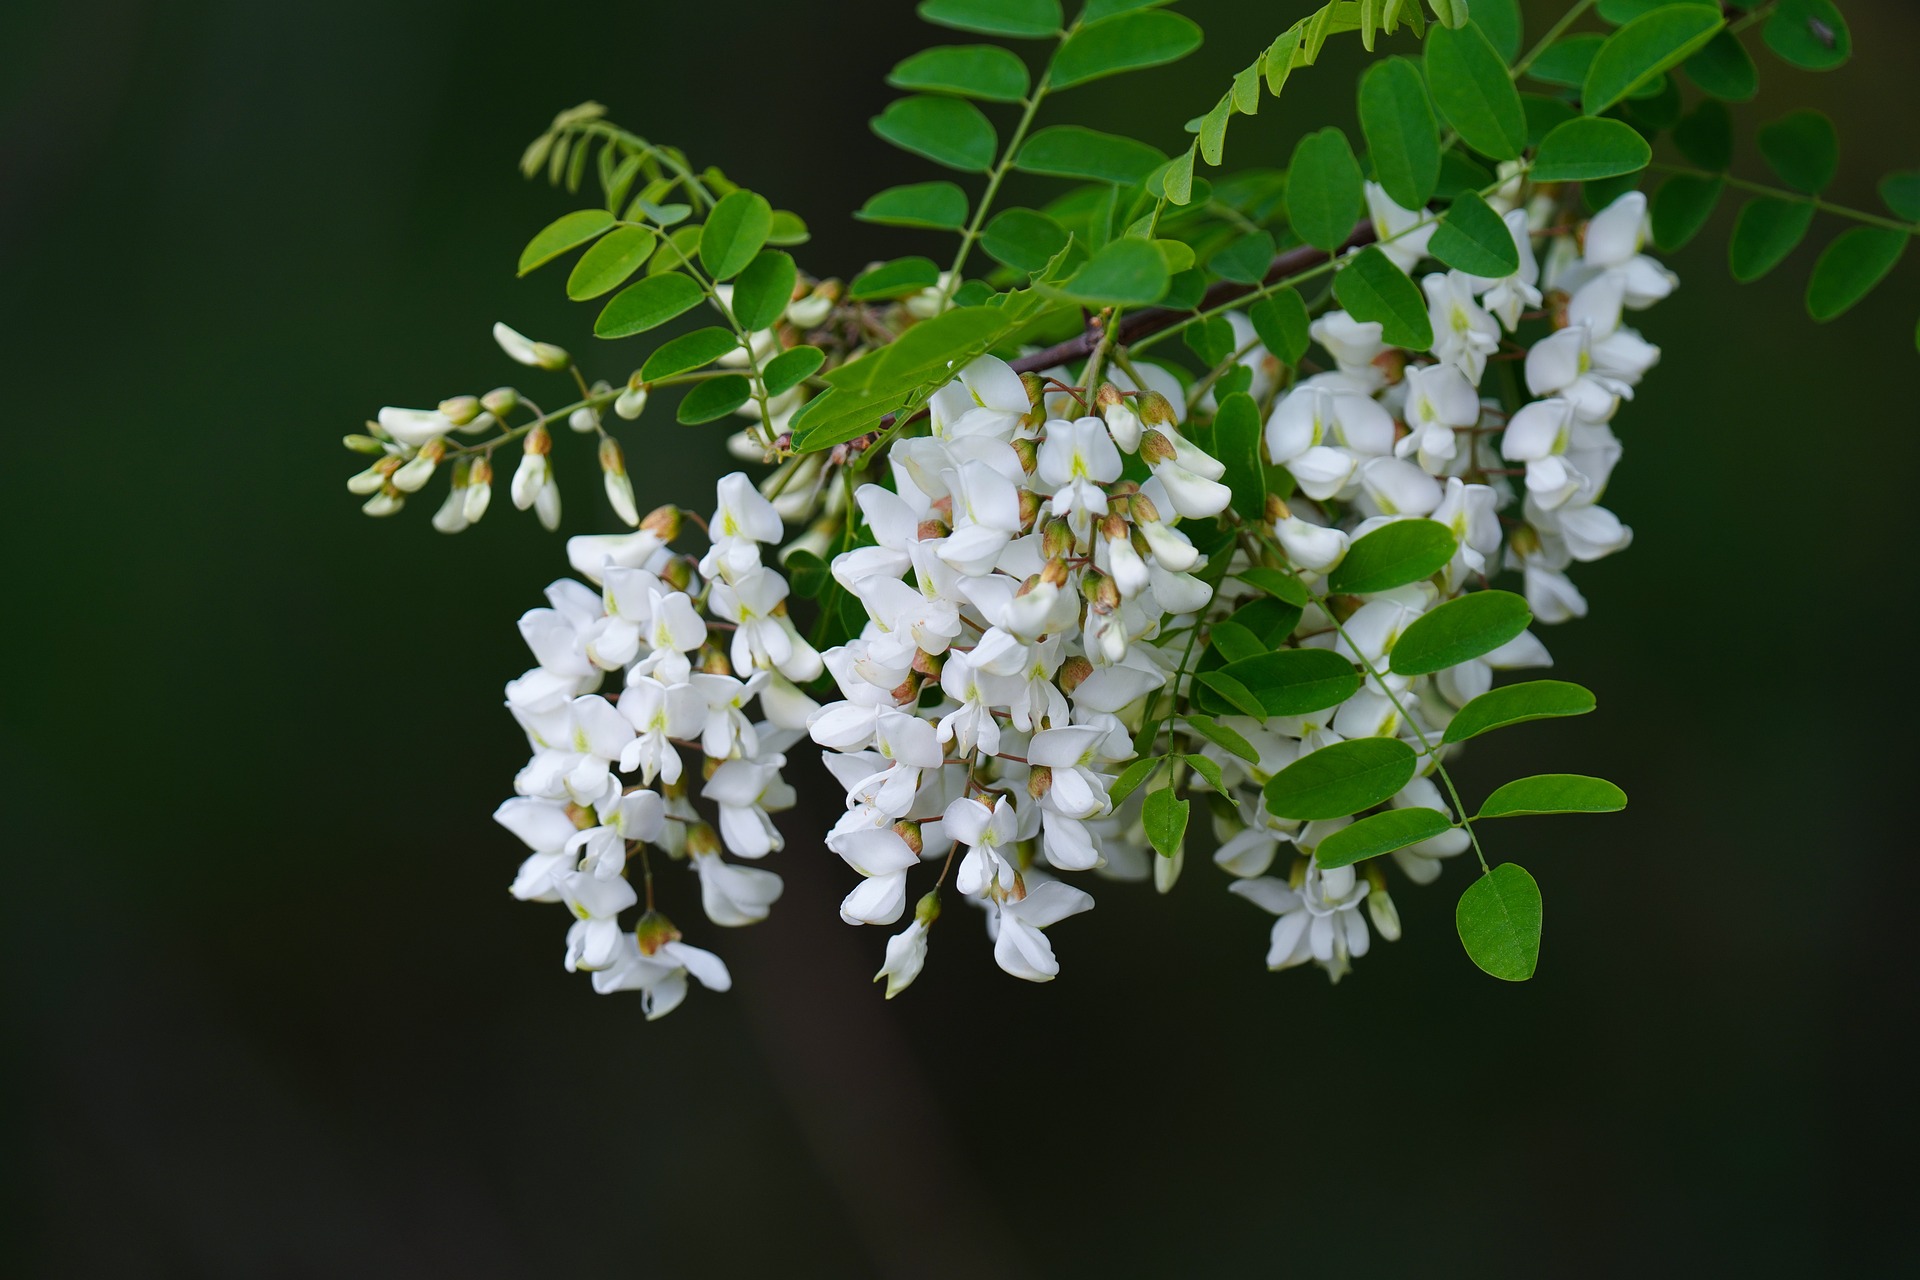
984 832
883 857
1076 790
661 978
1400 233
745 790
1440 401
1354 346
986 398
742 519
414 427
1319 921
1019 946
658 713
1463 334
1076 459
596 902
906 956
544 827
524 350
734 895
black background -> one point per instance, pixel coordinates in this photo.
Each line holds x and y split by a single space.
269 1013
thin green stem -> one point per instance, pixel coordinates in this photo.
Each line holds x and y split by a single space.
1554 32
1797 197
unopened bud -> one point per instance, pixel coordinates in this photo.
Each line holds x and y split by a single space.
1036 390
663 523
928 664
385 502
501 401
713 661
1101 591
1156 449
927 530
584 419
632 401
678 574
1524 542
363 444
1030 505
452 515
1156 411
414 474
910 832
613 472
1144 512
702 838
812 310
1113 525
927 910
1057 541
582 816
479 489
373 479
1055 573
1028 451
1277 509
1039 781
539 442
537 355
1072 672
460 410
907 692
654 931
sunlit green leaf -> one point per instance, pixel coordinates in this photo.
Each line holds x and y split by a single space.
985 71
1458 631
1281 321
788 369
714 398
609 261
1498 919
940 205
1380 833
1553 793
1516 704
1392 556
647 303
1340 779
1131 777
945 130
1474 93
568 231
1325 190
1649 45
687 352
1223 736
763 290
1244 260
1023 239
1124 273
1029 19
1294 682
1565 61
1277 583
1069 151
1126 42
736 229
896 279
1165 820
1500 21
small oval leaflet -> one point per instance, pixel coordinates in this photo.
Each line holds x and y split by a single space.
568 231
1165 819
894 279
1325 191
735 229
1392 556
1021 19
1402 137
1380 833
1459 631
1498 919
945 130
1371 287
786 371
941 206
1764 233
1803 149
1516 704
610 260
646 304
1643 49
1294 682
714 399
762 291
1473 238
1588 147
1125 42
984 71
1850 267
687 352
1470 85
1340 779
1553 793
1070 151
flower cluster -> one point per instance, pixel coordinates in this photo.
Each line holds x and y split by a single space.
610 775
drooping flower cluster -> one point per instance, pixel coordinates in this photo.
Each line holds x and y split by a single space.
693 650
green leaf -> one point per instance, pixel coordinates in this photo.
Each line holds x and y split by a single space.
1023 239
608 263
761 294
687 352
896 279
945 130
1621 12
1126 273
1724 69
1803 149
677 252
1178 254
1499 922
1645 48
1371 287
1516 704
1475 95
1236 443
1281 321
791 367
1500 21
1213 130
1210 338
1901 193
1131 777
1403 142
1380 833
1206 768
928 353
1325 191
1850 267
1392 556
1234 696
714 398
807 573
1459 631
1244 260
647 303
1473 238
1294 682
1069 151
788 229
939 205
568 231
1234 642
734 233
1544 115
1223 736
1681 207
1165 819
1589 147
1764 233
1340 779
984 71
1809 34
1566 60
1176 180
1553 793
1705 136
1277 583
1126 42
1022 19
1270 618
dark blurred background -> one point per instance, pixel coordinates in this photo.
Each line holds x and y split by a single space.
269 1011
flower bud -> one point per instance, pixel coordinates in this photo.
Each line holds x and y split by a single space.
1028 451
927 910
927 530
1057 541
910 832
811 310
1166 871
582 816
385 502
1072 672
663 523
1156 411
702 839
678 574
632 401
363 444
529 479
927 664
501 401
1030 504
414 474
460 410
452 515
613 471
1156 449
1143 510
654 931
907 692
537 355
584 419
1123 424
1055 573
713 661
1039 781
373 479
479 489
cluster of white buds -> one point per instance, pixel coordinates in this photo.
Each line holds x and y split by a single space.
610 778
